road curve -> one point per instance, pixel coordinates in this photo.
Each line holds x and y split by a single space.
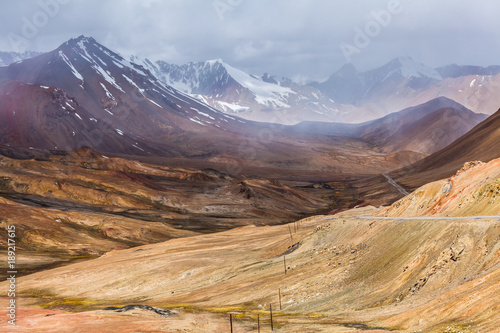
396 185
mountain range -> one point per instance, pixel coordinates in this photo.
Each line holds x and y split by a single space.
404 82
346 96
143 200
86 98
264 98
85 95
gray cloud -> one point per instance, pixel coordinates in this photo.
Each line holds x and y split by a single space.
295 38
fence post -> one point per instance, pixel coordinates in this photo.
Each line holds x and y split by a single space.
271 311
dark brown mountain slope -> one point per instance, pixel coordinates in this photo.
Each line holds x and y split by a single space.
48 118
425 128
481 143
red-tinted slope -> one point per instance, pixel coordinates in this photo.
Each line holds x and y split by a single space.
116 99
48 118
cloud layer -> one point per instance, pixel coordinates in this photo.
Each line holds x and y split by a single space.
295 38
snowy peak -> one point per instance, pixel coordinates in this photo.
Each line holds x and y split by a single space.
88 49
90 62
409 68
81 38
191 78
213 62
254 97
7 58
349 86
265 93
218 80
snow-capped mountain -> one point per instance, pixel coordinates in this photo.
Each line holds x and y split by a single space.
404 82
352 87
347 96
408 68
7 58
215 79
83 94
233 91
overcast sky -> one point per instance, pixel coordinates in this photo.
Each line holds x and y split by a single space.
294 38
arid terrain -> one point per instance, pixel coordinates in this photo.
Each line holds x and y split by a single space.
84 204
408 267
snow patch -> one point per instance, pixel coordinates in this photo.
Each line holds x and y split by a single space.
70 106
138 147
118 64
73 69
203 114
235 108
158 105
133 83
84 49
265 93
410 68
110 96
197 121
107 76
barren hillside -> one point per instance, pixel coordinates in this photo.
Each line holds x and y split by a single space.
350 271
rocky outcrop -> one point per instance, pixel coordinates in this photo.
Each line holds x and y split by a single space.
473 190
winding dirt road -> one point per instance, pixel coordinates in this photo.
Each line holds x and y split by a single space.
396 185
